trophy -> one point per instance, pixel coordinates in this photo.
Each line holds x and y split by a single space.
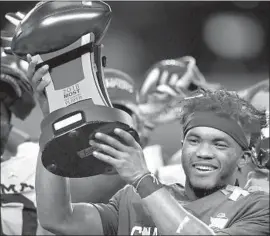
66 36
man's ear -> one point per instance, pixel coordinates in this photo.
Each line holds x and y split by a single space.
244 159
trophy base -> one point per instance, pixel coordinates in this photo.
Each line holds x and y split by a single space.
70 155
66 150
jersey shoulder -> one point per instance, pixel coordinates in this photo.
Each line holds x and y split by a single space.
258 200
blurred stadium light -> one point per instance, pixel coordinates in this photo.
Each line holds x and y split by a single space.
233 35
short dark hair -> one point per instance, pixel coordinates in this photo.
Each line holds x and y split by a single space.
226 104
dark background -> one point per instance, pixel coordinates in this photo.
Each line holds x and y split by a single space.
229 40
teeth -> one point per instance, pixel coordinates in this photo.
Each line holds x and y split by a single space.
204 168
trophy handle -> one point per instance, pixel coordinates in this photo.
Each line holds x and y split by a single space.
87 88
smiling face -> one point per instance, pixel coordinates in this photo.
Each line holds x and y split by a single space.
210 158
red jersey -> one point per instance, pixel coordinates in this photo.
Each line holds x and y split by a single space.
231 210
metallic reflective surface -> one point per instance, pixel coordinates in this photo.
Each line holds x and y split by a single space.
50 26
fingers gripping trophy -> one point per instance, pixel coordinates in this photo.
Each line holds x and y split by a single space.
66 36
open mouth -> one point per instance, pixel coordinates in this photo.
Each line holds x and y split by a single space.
204 167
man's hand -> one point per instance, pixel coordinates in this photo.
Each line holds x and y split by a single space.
125 156
39 84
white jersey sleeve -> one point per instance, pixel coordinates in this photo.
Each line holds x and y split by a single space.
18 198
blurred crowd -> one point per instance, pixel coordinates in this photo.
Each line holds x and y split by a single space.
167 85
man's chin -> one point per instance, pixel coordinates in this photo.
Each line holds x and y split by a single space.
201 190
202 183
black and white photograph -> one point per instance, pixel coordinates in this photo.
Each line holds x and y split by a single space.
134 117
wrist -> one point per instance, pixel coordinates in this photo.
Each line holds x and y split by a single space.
147 184
136 181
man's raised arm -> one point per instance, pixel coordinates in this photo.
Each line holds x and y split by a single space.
56 212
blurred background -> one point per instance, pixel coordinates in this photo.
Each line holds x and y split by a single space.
229 40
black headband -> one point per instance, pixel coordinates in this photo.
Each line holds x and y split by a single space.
210 119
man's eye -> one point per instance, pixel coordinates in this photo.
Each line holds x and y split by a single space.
193 141
221 145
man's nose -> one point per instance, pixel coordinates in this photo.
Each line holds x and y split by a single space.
205 151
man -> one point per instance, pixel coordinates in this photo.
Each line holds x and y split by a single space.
217 128
123 93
